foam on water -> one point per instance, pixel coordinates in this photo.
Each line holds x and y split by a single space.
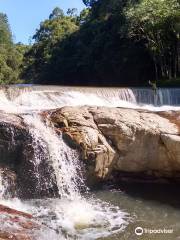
72 216
28 99
83 218
38 101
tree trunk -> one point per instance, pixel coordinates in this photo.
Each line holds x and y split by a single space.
178 56
175 65
162 67
156 69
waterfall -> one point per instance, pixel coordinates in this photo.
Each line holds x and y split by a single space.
2 186
21 99
69 214
160 97
82 217
64 161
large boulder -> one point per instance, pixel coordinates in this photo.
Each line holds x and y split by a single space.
124 140
16 225
110 140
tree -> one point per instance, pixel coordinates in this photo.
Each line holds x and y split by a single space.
10 65
56 13
84 16
72 12
98 51
89 3
51 32
10 55
111 42
5 32
154 22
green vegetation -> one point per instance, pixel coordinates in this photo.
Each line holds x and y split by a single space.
158 23
111 42
11 55
52 33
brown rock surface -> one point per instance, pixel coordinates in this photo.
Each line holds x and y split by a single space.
109 139
16 225
127 140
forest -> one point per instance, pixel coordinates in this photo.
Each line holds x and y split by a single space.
109 43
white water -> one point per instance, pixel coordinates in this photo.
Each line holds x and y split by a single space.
71 216
19 100
85 218
63 160
2 187
4 193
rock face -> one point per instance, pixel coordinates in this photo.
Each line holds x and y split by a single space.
12 137
109 139
124 140
17 165
12 134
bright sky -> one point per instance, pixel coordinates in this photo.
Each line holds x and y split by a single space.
25 15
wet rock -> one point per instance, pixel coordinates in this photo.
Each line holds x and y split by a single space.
8 180
7 210
34 180
124 140
81 131
12 135
16 225
109 140
17 160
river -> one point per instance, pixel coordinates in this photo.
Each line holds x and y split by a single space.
107 213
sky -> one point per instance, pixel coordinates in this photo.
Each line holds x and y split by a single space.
25 15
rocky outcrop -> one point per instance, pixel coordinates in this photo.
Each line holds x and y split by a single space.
12 134
80 130
16 225
123 140
110 140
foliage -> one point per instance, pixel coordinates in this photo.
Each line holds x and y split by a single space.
56 13
157 23
93 49
52 31
5 32
111 42
89 2
11 56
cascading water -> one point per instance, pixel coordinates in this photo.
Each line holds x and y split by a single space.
63 160
70 214
81 217
23 98
2 187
